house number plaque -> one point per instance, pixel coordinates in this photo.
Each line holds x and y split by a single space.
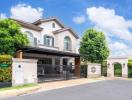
93 69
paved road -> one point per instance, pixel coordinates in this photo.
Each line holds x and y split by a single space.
105 90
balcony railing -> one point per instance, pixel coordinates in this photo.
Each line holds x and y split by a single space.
51 47
47 47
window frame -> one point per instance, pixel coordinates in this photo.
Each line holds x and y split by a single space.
53 25
50 44
30 37
67 43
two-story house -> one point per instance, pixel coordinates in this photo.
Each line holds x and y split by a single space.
53 44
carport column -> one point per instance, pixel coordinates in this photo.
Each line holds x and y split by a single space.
77 66
19 54
53 62
61 64
124 70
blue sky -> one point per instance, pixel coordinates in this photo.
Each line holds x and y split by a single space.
113 17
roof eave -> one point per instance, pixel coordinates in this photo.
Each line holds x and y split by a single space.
75 35
46 20
48 51
27 25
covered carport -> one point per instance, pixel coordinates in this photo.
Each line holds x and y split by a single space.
39 53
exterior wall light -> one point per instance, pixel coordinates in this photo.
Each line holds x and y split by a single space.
123 65
108 65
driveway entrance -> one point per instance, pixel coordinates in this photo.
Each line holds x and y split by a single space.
48 72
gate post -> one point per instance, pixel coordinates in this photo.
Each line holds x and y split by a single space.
124 70
24 71
77 66
19 54
93 70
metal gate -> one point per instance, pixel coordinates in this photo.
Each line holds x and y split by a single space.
83 71
48 72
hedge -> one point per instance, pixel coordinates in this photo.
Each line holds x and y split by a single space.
5 68
5 74
5 58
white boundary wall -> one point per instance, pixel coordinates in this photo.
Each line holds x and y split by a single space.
93 70
110 66
24 71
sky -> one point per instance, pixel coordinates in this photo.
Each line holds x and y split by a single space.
113 17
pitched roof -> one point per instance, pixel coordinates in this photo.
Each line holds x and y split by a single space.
47 20
66 29
27 25
37 28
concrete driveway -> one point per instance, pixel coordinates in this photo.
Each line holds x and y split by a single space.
104 90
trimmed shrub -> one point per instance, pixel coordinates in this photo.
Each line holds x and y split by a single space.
5 74
5 68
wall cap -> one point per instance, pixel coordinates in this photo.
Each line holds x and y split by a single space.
24 60
93 64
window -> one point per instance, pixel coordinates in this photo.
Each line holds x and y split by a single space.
48 40
53 25
67 43
45 61
30 37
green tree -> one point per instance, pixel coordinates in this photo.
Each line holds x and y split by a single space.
11 37
93 46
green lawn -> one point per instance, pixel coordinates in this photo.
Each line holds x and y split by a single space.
18 87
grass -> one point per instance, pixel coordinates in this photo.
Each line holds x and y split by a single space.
18 87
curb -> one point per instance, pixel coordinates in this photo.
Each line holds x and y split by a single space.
18 92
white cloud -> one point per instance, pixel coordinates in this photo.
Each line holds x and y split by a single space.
3 15
118 46
79 19
120 49
26 12
114 26
107 20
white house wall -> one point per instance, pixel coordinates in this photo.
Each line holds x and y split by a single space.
47 26
48 30
36 34
60 40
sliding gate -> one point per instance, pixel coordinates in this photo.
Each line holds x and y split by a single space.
48 72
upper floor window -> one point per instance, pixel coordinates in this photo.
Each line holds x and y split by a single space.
67 43
53 25
30 37
48 40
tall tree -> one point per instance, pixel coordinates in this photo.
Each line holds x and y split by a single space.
11 37
93 46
